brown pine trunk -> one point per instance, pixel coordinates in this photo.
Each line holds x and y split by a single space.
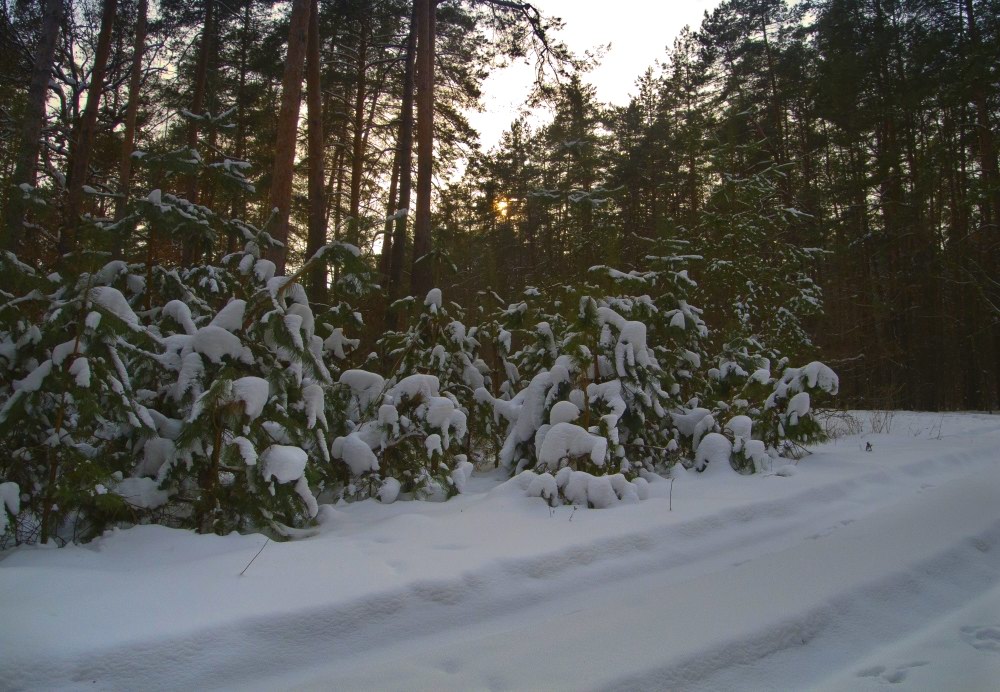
80 155
239 206
421 275
34 120
357 140
987 150
405 150
131 115
317 202
386 254
205 49
288 120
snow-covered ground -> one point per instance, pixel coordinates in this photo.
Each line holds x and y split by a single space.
849 571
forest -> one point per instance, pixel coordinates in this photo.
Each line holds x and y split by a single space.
255 258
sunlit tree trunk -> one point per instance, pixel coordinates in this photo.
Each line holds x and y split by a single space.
288 120
421 276
317 196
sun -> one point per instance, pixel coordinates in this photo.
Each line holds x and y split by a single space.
502 207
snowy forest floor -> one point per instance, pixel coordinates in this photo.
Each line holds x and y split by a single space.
852 570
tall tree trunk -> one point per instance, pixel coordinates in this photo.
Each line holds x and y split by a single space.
987 150
357 138
33 123
205 47
421 275
317 197
288 121
239 206
131 116
404 148
80 154
385 256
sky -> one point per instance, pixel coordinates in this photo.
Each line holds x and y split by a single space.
639 31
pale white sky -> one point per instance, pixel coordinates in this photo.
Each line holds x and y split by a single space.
639 31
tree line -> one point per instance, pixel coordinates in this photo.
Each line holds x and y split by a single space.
832 163
861 132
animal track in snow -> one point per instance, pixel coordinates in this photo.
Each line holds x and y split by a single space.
983 638
891 676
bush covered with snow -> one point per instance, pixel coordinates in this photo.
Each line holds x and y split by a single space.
215 396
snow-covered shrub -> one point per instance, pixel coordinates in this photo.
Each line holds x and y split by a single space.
406 437
583 489
70 413
601 408
244 404
439 343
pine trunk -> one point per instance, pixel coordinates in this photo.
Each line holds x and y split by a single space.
84 141
317 196
405 149
131 116
421 275
288 121
33 123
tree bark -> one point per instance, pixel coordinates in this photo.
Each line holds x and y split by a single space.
131 116
80 154
405 151
34 121
317 196
385 256
357 138
421 275
288 121
197 106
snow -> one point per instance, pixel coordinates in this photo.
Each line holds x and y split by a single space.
247 451
143 493
10 497
181 314
33 382
312 395
798 407
433 300
741 428
859 570
563 412
388 491
215 342
230 317
365 388
355 452
112 300
80 370
337 341
423 386
565 440
713 453
284 463
10 501
433 445
253 392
